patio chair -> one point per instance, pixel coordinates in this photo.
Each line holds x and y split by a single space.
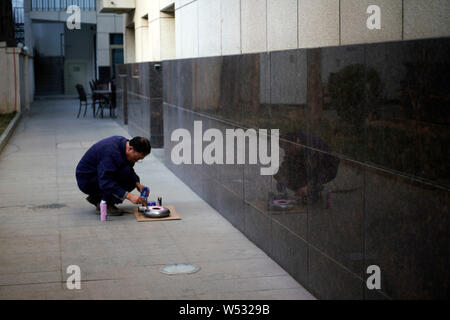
83 99
108 101
113 100
96 99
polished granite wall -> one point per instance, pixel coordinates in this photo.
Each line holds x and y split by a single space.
121 93
139 100
380 110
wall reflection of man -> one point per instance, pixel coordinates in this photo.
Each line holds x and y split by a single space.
303 170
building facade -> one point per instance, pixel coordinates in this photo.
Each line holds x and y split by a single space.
65 55
165 29
16 85
359 91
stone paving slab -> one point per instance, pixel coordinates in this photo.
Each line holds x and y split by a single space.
46 225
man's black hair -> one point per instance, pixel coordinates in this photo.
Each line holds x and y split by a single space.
141 145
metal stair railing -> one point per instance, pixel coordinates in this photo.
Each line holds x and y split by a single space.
19 19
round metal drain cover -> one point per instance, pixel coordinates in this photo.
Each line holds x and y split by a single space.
179 268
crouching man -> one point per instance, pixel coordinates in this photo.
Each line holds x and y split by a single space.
305 170
105 172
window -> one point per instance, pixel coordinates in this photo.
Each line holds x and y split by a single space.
116 39
116 50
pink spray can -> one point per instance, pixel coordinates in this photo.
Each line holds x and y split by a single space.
103 210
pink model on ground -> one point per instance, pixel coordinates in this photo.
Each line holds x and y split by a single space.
103 210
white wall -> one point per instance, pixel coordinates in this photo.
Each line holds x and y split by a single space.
154 32
230 26
44 34
224 27
79 48
354 21
282 24
47 38
426 19
106 24
209 27
129 43
10 79
318 23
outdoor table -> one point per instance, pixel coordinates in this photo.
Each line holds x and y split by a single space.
103 91
107 94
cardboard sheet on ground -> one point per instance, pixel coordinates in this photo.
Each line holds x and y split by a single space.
141 218
262 206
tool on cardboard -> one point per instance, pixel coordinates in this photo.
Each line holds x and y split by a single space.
282 191
157 212
154 211
279 201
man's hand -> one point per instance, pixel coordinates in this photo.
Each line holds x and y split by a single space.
140 187
302 192
136 199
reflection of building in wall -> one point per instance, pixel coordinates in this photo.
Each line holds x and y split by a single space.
65 57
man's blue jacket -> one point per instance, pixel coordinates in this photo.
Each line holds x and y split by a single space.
106 163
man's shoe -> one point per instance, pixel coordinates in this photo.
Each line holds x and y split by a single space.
111 210
114 211
93 201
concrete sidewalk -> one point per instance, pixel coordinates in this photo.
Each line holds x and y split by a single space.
46 225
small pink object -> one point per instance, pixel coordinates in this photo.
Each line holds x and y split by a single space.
157 208
281 201
103 211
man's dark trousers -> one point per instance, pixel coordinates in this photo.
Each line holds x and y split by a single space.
89 185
